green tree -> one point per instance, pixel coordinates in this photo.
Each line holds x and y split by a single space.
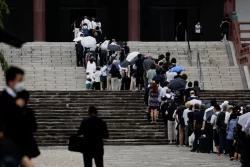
4 9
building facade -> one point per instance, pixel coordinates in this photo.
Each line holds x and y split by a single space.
133 20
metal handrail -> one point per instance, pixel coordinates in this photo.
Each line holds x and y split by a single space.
201 77
189 51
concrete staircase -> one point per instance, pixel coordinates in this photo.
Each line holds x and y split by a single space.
51 66
48 66
59 115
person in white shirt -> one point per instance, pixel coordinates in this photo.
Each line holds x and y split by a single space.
85 21
170 75
185 117
92 26
97 79
99 24
113 42
88 81
217 110
91 66
104 71
198 31
164 90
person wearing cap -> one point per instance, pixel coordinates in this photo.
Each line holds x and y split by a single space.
192 96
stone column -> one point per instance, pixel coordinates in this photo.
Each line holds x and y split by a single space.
134 20
39 20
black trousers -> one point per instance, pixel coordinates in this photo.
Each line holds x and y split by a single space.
89 157
224 32
245 152
97 86
209 134
103 57
230 147
79 61
104 82
197 134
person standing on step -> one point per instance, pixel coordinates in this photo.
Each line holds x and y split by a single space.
154 102
198 31
216 138
206 125
79 54
147 65
94 130
104 71
97 79
115 76
225 24
139 71
171 121
180 32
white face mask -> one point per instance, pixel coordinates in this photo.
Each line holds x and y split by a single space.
85 27
19 87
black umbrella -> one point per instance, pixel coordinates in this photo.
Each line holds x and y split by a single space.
120 43
177 84
133 61
124 64
114 48
10 39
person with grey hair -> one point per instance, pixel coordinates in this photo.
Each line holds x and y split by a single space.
222 127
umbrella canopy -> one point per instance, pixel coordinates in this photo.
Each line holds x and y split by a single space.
104 45
78 39
132 55
120 43
88 42
177 84
117 64
114 47
177 69
125 64
243 119
195 101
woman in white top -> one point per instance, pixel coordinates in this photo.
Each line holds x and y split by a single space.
198 31
91 66
97 79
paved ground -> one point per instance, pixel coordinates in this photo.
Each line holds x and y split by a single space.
135 156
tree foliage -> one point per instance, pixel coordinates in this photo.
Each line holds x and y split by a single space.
4 9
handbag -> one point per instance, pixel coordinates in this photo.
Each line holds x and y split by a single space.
76 143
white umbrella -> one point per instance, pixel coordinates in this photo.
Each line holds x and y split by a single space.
195 101
104 45
78 39
132 55
243 119
89 42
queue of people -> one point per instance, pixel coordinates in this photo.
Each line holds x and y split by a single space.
206 126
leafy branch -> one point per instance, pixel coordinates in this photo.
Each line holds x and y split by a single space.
4 9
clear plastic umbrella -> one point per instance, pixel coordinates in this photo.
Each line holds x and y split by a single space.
243 119
78 39
131 56
88 42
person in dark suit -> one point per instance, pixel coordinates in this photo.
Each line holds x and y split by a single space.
29 126
94 130
79 54
10 112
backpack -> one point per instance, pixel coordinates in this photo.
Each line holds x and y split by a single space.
85 32
222 127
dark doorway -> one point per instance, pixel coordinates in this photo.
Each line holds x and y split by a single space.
180 16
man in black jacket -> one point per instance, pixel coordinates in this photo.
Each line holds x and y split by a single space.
10 112
79 54
94 130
